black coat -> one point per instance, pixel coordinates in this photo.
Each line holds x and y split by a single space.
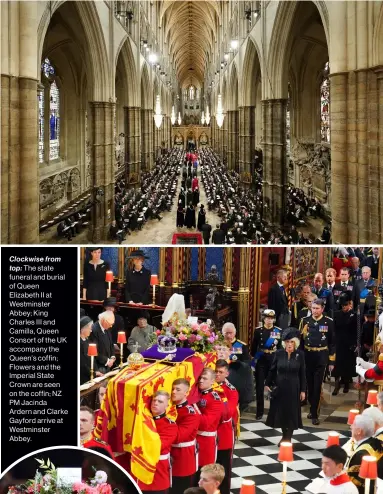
277 301
201 219
180 217
206 231
103 340
218 237
241 377
94 281
289 377
137 285
345 343
190 218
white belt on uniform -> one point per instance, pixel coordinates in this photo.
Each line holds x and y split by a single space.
184 445
226 421
165 457
205 433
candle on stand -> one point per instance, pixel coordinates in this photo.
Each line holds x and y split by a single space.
247 487
109 278
372 397
333 439
92 352
121 339
368 471
351 416
154 281
285 455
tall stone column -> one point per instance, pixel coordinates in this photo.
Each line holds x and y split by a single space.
246 137
19 136
103 168
244 293
213 136
377 146
132 139
225 134
229 124
151 138
274 158
232 139
144 139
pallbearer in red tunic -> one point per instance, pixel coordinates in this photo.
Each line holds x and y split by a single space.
333 462
184 450
167 430
212 408
87 417
368 370
226 429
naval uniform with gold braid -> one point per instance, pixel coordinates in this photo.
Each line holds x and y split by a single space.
265 343
319 344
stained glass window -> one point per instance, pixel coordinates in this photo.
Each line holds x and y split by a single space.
288 119
54 122
41 125
325 104
47 68
191 92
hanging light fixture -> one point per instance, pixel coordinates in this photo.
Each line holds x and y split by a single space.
179 118
157 115
219 115
173 116
203 118
207 118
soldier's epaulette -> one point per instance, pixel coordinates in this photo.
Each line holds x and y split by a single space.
190 409
100 441
233 388
242 342
276 327
258 327
216 396
331 319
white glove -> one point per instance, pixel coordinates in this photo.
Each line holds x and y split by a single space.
360 371
364 364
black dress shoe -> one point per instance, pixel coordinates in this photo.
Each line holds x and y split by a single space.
259 417
309 416
315 421
335 392
346 389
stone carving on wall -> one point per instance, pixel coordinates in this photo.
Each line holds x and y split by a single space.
119 152
58 188
310 168
88 156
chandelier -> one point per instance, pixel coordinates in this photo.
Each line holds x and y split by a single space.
219 115
203 118
157 115
207 118
173 116
179 118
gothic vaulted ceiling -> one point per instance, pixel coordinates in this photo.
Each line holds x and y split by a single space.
190 29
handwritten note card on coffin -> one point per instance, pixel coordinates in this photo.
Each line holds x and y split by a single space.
68 476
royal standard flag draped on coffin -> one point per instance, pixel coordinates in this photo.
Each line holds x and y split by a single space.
126 422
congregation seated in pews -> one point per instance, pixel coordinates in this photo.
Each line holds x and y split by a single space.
134 207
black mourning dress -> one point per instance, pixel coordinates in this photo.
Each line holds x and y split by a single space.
289 377
345 341
190 217
180 216
94 280
201 219
137 285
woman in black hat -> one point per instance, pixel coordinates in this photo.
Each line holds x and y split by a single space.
94 284
287 376
345 323
137 280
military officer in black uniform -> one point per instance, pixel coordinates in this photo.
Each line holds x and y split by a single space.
323 293
299 305
318 336
266 341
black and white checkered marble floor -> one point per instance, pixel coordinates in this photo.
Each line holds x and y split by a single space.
256 453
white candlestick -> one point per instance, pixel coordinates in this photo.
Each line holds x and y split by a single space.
121 354
284 471
91 367
367 486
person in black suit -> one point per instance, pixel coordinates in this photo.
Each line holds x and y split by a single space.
356 272
323 293
277 300
206 231
85 330
119 325
102 336
367 283
218 236
344 285
372 261
137 280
